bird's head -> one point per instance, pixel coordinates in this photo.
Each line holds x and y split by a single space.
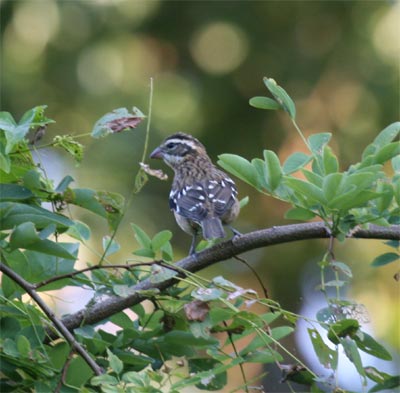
178 148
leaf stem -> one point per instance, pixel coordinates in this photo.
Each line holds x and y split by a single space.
146 141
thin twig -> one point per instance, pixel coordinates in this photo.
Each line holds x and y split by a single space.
98 267
64 372
56 322
246 388
256 275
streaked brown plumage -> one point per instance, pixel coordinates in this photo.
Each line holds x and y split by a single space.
202 197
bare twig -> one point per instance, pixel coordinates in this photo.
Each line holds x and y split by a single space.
222 251
98 267
56 322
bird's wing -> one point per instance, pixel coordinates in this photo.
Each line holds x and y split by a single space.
190 202
210 198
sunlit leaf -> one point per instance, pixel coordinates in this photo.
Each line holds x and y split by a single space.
264 103
281 96
318 141
295 162
385 258
240 168
328 357
299 213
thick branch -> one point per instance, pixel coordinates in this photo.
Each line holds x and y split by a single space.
220 252
56 322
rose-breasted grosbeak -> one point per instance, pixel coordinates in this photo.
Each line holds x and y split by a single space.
202 197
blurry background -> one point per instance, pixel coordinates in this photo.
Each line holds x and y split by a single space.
338 61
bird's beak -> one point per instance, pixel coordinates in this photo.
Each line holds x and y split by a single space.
157 153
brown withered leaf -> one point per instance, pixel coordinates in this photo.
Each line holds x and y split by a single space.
196 310
123 123
158 173
116 121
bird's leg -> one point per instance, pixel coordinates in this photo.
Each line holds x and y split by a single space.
193 245
235 231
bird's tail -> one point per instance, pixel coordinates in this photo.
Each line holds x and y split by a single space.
212 228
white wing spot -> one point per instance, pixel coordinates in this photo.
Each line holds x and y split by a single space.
211 195
201 197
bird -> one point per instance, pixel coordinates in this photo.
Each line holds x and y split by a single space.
203 198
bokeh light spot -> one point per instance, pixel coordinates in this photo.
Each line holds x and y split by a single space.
175 104
219 48
100 68
36 22
386 34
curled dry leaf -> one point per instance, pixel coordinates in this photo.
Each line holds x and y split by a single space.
123 123
117 121
158 173
196 310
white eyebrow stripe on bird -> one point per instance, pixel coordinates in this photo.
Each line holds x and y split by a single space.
187 142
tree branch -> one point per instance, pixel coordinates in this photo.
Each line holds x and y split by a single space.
220 252
56 322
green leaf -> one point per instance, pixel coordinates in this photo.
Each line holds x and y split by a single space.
23 346
351 351
67 142
308 190
396 163
111 245
317 142
385 259
391 382
281 96
331 164
16 133
295 162
362 180
78 372
243 202
326 356
207 294
115 363
352 199
104 379
341 267
313 178
273 169
367 344
213 381
280 332
14 192
262 174
264 103
79 231
181 338
343 328
240 168
12 214
160 239
116 121
64 184
85 198
331 185
7 122
386 153
142 238
25 236
387 135
263 356
299 213
161 273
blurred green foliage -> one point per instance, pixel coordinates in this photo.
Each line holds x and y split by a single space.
338 60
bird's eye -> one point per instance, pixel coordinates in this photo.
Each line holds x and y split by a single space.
170 145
